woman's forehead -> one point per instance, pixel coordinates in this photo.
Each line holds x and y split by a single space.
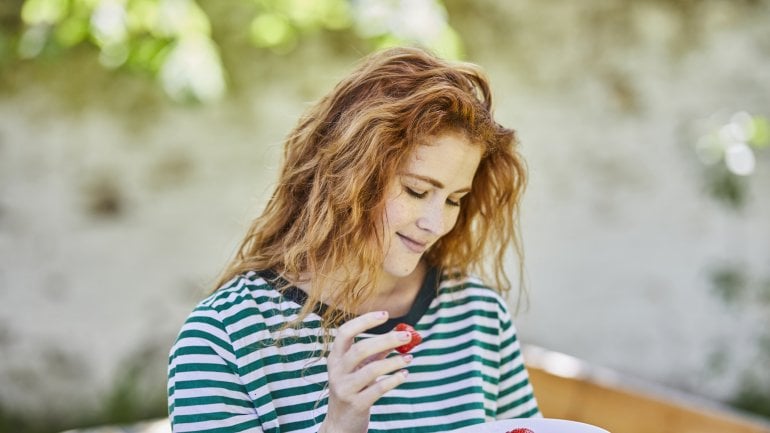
447 158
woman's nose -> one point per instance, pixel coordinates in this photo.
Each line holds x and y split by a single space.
431 219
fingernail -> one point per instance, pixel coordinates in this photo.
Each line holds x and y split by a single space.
404 373
408 358
382 314
404 336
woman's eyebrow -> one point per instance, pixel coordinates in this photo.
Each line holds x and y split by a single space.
434 182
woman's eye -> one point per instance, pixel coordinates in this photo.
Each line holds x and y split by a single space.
414 193
453 202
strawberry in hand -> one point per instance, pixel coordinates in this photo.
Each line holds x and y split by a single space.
416 338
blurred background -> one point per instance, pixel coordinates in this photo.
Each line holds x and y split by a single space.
139 137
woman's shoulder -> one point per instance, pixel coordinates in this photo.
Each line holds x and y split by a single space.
243 305
456 281
246 297
242 287
456 286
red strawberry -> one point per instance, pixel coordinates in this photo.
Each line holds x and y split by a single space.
520 430
416 337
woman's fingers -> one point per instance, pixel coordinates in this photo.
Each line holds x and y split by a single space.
347 333
369 374
361 389
360 372
375 357
364 351
373 393
349 355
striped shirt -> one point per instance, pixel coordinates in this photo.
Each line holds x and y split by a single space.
226 374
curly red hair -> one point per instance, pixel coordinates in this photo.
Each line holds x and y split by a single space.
324 214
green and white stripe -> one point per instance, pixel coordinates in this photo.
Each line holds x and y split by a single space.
226 374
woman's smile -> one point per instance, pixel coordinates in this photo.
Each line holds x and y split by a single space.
413 245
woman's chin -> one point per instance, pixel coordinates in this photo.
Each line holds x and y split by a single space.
402 270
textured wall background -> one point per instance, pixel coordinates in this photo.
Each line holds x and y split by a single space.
118 208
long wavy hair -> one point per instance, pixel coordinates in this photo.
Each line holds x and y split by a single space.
325 213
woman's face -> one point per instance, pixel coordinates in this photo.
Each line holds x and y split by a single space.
423 200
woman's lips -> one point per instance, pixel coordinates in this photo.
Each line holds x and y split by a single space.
411 244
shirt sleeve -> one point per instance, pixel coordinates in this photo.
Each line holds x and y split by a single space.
516 398
205 391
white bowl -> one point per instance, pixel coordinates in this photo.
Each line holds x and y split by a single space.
536 425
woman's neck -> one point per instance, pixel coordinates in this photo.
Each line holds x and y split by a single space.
393 294
396 295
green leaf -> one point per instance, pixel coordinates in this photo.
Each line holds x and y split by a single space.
44 11
71 31
761 137
271 30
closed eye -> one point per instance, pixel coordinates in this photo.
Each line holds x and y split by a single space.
414 193
423 194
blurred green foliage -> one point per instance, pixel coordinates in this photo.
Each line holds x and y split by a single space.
729 282
136 393
177 43
729 152
174 41
753 398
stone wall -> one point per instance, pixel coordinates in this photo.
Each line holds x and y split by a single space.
118 208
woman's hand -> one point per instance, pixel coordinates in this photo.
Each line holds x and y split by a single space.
357 373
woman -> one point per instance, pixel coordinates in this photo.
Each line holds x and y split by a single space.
394 189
